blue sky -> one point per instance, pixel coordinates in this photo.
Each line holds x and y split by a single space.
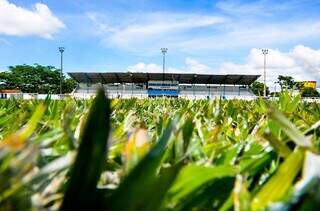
203 36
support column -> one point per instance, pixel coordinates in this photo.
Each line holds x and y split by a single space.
123 90
193 91
117 90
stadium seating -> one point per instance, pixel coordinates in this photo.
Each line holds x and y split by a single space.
185 91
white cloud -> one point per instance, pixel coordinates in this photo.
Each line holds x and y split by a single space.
4 42
275 59
259 7
222 30
195 66
302 63
249 34
18 21
191 66
240 8
144 68
308 57
149 30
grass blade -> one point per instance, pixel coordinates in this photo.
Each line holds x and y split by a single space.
86 170
241 195
281 148
289 128
279 184
186 183
138 187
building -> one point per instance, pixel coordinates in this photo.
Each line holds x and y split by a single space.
309 84
6 93
142 85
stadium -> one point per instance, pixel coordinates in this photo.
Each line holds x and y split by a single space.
143 85
93 117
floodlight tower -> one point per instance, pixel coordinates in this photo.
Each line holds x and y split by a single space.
164 51
265 52
61 50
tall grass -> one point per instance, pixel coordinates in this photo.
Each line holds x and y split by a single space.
159 154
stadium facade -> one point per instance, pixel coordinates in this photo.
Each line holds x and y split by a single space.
142 85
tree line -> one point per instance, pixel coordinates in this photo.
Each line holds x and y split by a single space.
35 79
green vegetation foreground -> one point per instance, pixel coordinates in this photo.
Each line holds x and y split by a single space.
159 154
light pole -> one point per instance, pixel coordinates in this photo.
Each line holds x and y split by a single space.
61 50
164 51
265 52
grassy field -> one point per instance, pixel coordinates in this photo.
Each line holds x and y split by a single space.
160 154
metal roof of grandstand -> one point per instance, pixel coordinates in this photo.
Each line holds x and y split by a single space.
136 77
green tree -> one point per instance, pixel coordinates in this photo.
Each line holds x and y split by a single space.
309 92
258 87
35 79
286 82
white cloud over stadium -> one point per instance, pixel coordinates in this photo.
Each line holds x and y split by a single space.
191 66
302 62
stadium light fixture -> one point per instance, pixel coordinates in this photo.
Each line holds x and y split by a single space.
265 52
164 51
61 50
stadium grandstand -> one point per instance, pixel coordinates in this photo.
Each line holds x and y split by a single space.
142 85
